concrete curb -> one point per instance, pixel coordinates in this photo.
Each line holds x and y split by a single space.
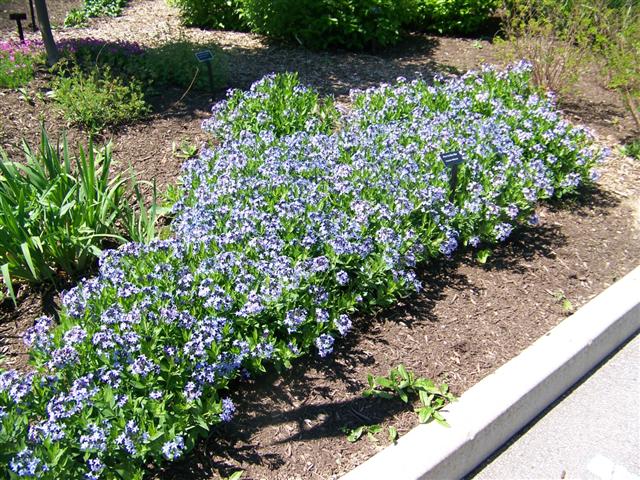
496 408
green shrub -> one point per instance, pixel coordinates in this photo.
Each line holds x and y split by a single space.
58 210
93 8
555 37
97 99
617 44
321 24
453 16
219 14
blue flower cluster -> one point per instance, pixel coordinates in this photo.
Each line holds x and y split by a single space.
280 236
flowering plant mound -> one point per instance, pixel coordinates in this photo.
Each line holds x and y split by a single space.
278 239
275 102
18 61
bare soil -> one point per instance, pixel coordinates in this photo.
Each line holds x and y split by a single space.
470 318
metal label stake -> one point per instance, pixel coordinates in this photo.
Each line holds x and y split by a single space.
205 56
452 160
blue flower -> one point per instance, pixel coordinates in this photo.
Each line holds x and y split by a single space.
173 448
324 344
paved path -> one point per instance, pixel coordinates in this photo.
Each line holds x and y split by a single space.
593 433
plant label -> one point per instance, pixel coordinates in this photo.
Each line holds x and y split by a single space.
204 56
451 159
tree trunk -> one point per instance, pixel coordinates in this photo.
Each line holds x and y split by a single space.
45 28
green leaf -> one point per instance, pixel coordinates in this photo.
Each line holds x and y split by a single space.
6 278
355 434
424 414
483 255
236 475
393 434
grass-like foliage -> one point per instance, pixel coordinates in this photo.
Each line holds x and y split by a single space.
98 99
18 62
277 240
58 210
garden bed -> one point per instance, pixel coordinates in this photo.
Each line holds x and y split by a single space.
469 320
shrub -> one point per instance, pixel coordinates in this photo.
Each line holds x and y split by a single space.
321 24
98 99
58 211
617 43
93 8
555 37
277 241
453 16
219 14
277 103
18 62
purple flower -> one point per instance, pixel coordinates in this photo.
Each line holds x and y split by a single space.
95 440
294 318
26 464
173 448
324 344
228 409
342 278
143 366
343 324
502 231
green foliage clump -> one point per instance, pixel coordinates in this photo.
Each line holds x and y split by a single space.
97 99
322 24
18 62
404 385
93 8
220 14
277 103
632 149
172 64
453 16
58 210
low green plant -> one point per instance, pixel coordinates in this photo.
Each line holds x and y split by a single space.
18 62
76 17
355 434
617 43
97 99
453 16
56 212
171 64
140 222
404 385
175 64
632 149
